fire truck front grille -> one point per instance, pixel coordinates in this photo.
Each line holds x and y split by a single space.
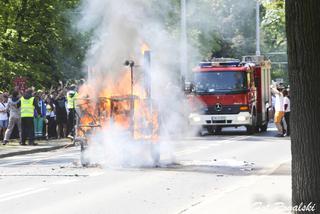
222 121
230 109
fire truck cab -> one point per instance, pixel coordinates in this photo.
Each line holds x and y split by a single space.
232 93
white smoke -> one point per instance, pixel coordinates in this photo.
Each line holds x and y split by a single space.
119 28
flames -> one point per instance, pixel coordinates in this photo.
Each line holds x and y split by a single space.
113 103
144 48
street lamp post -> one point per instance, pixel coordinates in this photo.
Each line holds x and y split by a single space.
183 42
130 63
258 53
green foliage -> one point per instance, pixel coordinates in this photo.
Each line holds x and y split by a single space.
220 28
274 36
273 25
37 42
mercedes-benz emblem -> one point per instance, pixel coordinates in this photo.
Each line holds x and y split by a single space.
218 107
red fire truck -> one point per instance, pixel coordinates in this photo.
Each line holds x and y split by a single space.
231 93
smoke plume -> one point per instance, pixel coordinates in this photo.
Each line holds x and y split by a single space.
119 28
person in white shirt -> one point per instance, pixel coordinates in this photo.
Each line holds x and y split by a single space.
286 104
279 109
3 114
14 118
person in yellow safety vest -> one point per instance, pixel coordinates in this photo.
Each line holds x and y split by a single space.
27 106
72 96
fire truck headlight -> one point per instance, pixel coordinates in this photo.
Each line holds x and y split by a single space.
195 118
241 118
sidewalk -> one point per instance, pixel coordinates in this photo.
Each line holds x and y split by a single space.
14 148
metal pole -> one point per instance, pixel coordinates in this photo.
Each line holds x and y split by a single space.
130 63
132 101
258 28
131 72
183 45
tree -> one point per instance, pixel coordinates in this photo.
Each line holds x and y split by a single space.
302 27
273 25
37 42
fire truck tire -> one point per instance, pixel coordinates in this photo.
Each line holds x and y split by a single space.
264 127
251 129
214 129
211 129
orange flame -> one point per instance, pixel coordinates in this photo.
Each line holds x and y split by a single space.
115 104
144 47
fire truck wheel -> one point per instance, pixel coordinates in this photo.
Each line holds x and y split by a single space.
211 129
250 129
264 127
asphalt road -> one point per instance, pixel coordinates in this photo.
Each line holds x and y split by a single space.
203 175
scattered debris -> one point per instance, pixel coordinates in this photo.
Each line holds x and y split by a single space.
195 204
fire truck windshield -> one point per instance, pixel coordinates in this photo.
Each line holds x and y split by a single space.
220 82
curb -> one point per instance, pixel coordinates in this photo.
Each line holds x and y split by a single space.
36 150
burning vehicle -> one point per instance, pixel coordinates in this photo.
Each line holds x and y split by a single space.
123 101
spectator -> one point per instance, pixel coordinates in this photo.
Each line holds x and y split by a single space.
71 104
279 109
3 114
286 103
39 117
61 115
50 119
28 106
14 118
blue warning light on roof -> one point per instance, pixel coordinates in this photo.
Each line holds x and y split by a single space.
219 62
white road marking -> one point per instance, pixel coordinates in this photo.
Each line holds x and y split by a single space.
15 192
23 194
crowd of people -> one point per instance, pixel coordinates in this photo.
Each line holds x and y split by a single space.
41 114
282 108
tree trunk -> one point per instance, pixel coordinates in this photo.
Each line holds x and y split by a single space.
303 34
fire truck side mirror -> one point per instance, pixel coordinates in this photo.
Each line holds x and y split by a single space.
188 87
